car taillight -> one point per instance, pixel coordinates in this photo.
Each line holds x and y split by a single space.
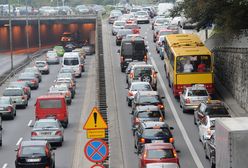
34 134
47 152
145 58
161 106
142 140
187 100
19 152
171 140
154 75
130 93
131 75
136 120
145 154
161 119
59 133
174 153
23 97
33 81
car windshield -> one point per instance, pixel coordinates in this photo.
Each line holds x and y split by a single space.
198 92
40 64
162 21
4 101
13 92
119 23
124 32
33 150
45 124
18 84
141 87
60 88
149 99
71 61
149 114
142 71
51 54
159 153
163 33
131 26
156 132
217 110
50 104
31 70
141 13
27 76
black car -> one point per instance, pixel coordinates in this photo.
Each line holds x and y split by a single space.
210 150
146 113
143 98
132 50
38 154
152 132
211 108
1 129
121 34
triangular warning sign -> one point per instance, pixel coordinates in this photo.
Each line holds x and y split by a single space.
95 121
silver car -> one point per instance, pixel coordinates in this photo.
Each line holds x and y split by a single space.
117 26
7 107
52 57
17 95
48 129
191 97
42 66
34 70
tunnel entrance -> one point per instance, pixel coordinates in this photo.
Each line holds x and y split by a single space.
45 32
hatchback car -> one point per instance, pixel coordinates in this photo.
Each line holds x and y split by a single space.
61 89
158 153
146 113
42 66
70 84
160 22
121 34
34 70
130 65
89 49
209 148
35 154
67 70
134 88
21 84
52 57
152 132
192 96
7 107
17 95
143 98
48 129
59 50
117 25
142 17
30 78
144 73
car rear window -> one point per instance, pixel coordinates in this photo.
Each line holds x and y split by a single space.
71 61
150 114
197 93
156 132
4 101
127 49
216 110
149 99
141 87
50 104
33 150
13 92
46 125
142 71
159 153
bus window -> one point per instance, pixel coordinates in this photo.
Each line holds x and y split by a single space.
187 64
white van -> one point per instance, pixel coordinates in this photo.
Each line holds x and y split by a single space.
72 60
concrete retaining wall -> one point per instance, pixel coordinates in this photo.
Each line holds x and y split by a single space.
231 68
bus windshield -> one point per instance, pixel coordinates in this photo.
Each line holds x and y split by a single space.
195 63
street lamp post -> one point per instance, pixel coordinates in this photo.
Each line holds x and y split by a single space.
27 35
10 38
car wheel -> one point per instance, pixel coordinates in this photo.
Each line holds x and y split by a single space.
12 116
60 143
205 150
212 163
129 103
194 120
1 143
15 112
122 69
184 111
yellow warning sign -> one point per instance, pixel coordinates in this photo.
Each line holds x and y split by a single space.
95 121
96 133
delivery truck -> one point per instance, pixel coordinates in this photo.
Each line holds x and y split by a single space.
231 136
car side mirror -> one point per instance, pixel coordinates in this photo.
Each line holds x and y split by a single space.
1 128
119 51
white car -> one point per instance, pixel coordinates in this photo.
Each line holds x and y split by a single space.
161 22
52 57
117 25
159 43
142 17
134 88
206 128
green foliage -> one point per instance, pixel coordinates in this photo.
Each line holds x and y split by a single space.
230 16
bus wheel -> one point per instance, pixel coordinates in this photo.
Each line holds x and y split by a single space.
169 81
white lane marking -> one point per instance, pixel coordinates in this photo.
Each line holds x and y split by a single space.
29 123
19 141
5 165
178 120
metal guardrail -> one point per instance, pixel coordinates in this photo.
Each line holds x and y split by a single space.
17 68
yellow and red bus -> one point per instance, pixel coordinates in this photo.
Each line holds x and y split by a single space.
187 62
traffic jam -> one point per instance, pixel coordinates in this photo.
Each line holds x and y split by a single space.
188 65
52 109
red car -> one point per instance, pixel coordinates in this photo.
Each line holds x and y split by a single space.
134 27
158 153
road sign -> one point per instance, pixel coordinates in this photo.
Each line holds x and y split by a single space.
96 150
96 133
97 166
95 121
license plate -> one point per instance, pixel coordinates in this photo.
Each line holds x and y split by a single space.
33 160
46 133
157 141
1 108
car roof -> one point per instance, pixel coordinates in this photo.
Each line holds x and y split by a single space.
47 120
33 143
142 65
44 97
148 93
147 108
159 146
